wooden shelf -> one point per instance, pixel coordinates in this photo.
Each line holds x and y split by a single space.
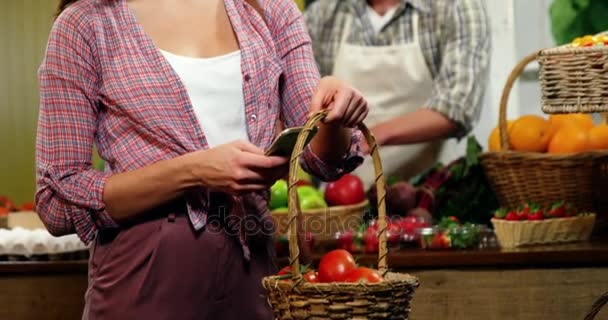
586 254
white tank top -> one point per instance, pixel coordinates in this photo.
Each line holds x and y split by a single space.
215 87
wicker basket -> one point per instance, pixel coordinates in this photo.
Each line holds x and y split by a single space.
574 79
297 299
597 306
513 234
324 223
517 177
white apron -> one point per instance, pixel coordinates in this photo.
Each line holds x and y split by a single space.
395 81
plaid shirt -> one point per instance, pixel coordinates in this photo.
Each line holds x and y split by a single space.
104 82
454 37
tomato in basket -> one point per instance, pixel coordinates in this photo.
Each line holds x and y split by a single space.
363 274
335 266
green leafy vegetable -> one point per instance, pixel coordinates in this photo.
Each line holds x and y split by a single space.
466 194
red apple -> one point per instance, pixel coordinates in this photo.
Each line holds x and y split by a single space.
345 191
303 183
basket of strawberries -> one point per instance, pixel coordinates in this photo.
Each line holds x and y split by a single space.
340 290
532 224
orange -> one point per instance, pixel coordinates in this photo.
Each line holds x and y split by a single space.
494 139
598 137
530 133
584 119
570 138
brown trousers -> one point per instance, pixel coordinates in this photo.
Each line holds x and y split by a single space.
163 269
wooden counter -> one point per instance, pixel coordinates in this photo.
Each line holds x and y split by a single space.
545 282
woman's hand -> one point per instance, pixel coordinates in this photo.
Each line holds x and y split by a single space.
347 109
237 167
347 106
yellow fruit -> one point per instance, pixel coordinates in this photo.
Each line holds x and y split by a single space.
598 137
569 138
494 138
530 133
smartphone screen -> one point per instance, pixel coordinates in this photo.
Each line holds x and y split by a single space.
283 145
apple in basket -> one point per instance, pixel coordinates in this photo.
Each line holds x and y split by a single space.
345 191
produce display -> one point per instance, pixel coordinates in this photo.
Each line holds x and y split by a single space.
335 266
532 212
557 134
459 189
7 206
531 224
450 233
347 190
590 41
400 232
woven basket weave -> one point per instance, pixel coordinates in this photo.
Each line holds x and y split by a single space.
517 177
297 299
513 234
574 79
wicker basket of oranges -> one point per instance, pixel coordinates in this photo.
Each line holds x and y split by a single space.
547 159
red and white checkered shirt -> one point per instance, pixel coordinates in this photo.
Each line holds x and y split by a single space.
104 82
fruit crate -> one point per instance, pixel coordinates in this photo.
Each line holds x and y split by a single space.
518 177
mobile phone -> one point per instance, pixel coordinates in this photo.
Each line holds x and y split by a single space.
283 145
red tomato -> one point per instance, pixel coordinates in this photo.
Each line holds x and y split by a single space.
335 265
311 276
4 211
285 271
345 191
303 183
7 203
363 274
370 241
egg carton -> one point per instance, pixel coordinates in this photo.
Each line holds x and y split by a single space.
23 244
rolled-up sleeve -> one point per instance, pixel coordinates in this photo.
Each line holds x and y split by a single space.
301 77
460 84
69 195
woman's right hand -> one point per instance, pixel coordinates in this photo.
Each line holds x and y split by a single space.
237 167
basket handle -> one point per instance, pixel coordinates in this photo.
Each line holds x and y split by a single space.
597 306
504 99
294 207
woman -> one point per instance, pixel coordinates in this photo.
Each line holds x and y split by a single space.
180 98
422 66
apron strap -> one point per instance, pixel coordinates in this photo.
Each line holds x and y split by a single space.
346 30
415 34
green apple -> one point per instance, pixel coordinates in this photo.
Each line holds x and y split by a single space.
278 194
281 210
306 191
303 175
312 202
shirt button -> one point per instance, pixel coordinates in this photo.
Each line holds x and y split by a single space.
253 118
247 77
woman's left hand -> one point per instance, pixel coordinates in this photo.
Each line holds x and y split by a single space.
347 106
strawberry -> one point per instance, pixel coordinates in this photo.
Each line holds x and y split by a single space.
513 216
557 210
440 241
536 214
523 210
500 213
